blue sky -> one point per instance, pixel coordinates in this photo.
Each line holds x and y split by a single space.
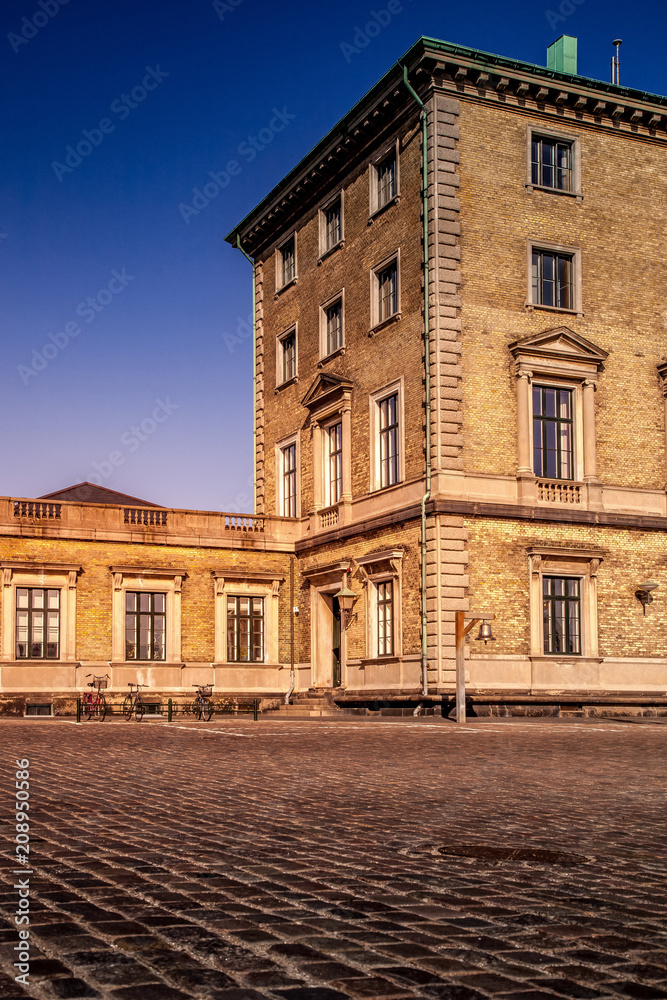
123 316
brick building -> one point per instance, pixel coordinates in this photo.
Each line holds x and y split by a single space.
460 392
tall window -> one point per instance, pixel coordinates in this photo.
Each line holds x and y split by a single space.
37 624
551 163
145 626
552 279
333 230
287 256
288 474
553 453
385 180
334 326
334 460
562 615
385 619
387 286
245 629
288 349
388 427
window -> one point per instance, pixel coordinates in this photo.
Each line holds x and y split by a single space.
245 629
146 614
334 463
286 263
384 180
385 298
37 623
288 481
385 618
333 225
334 326
551 163
562 615
288 354
386 444
553 432
145 625
552 279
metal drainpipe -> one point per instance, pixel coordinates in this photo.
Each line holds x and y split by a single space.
254 381
427 376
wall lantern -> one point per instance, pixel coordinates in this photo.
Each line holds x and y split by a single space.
346 599
643 593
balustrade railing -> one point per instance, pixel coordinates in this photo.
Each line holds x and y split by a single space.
559 491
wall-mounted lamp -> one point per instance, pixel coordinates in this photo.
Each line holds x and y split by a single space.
346 599
643 593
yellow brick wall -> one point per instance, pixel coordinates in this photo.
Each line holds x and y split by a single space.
619 227
499 581
370 362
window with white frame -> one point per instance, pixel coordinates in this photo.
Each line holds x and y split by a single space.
382 575
384 180
38 611
245 629
288 480
333 454
146 614
331 225
386 445
331 326
385 297
553 432
37 623
563 601
286 263
286 357
553 162
555 277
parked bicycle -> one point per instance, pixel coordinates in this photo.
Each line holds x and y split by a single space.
132 704
94 703
202 706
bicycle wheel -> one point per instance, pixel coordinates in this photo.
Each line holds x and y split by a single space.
206 709
102 708
128 707
139 711
192 709
87 706
196 708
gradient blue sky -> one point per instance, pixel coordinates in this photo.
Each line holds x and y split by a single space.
169 333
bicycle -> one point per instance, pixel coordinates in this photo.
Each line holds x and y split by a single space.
132 703
202 706
94 703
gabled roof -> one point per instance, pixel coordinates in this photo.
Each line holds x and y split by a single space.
90 493
562 343
324 387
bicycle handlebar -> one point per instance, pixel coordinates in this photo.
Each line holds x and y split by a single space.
137 686
99 677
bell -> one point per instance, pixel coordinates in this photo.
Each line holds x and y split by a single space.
485 633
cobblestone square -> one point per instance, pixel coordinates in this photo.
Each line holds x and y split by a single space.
324 860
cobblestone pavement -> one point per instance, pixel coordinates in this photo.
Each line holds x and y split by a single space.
303 860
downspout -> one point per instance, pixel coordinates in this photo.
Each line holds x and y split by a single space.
427 378
254 382
291 630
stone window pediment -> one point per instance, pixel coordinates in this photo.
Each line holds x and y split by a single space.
328 388
559 351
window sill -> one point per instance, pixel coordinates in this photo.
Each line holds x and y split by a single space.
279 291
557 309
329 357
396 200
284 385
330 251
385 322
379 661
549 190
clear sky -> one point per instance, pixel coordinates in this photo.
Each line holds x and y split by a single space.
124 316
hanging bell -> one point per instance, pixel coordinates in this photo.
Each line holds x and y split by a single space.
485 633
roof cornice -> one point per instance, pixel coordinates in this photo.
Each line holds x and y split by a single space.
463 72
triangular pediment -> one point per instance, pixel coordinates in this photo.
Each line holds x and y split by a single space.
325 386
560 342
